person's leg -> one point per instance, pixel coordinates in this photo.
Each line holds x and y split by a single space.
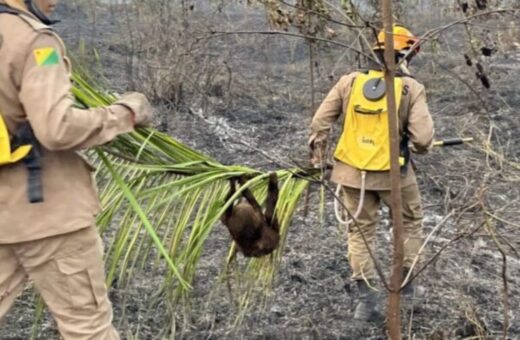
359 258
362 264
412 226
12 279
68 272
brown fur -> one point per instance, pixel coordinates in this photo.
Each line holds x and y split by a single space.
255 233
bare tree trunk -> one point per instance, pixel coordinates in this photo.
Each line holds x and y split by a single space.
313 109
394 324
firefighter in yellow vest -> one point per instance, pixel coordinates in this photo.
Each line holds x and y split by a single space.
362 159
48 200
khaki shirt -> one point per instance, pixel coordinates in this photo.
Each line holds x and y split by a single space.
413 115
38 92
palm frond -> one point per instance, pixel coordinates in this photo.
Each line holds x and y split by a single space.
162 199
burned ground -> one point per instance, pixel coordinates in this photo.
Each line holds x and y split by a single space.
266 106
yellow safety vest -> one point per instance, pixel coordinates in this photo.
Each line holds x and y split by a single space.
7 154
365 141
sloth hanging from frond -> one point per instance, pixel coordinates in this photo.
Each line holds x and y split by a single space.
255 233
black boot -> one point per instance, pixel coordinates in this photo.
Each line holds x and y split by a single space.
367 308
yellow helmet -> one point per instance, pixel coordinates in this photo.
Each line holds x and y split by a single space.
403 39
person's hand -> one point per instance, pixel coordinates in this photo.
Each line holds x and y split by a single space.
419 149
324 167
315 161
140 107
316 152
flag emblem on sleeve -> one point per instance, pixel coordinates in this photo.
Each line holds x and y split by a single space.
47 56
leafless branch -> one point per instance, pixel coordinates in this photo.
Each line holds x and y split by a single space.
297 35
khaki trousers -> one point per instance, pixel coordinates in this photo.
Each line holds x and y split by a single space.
67 270
359 258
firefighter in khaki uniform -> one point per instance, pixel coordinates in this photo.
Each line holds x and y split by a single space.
362 159
48 200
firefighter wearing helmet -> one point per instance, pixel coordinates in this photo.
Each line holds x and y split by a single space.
48 200
404 41
362 160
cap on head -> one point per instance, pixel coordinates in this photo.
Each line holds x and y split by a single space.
403 39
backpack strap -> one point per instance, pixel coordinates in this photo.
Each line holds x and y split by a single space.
24 137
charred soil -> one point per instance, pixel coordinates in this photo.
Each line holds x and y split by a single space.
267 107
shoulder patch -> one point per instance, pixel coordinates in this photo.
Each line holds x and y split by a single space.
47 56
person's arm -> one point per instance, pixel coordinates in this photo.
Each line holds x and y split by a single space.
420 123
329 111
45 94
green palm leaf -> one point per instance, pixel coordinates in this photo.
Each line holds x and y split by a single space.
162 199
